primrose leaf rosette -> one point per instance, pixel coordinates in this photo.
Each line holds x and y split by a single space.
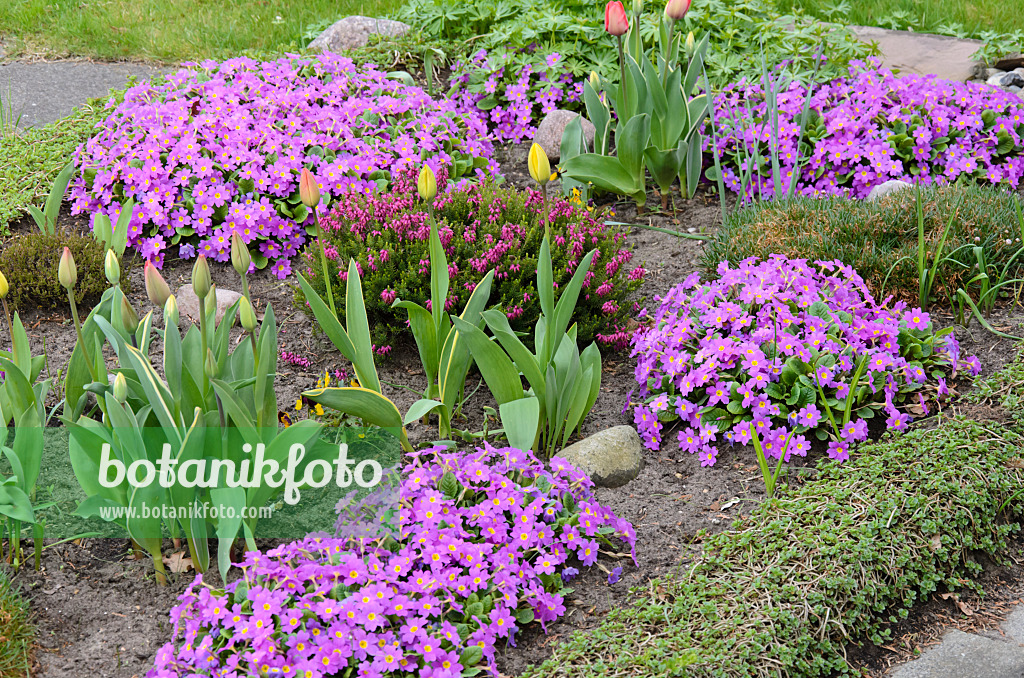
218 146
790 350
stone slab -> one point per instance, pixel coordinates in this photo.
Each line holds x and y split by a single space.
962 655
42 92
923 53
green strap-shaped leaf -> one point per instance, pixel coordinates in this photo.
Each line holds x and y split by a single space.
527 363
607 173
237 412
421 408
359 330
521 420
368 405
56 196
424 331
328 321
455 358
570 295
439 279
497 369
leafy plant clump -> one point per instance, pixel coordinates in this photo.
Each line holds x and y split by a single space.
30 264
865 129
482 227
218 148
834 560
782 348
878 240
471 546
521 59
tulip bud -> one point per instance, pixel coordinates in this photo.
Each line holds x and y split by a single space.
677 9
595 80
240 257
689 45
638 7
4 288
67 274
309 192
201 277
112 268
156 287
171 310
426 183
120 388
211 364
129 318
615 20
246 315
540 168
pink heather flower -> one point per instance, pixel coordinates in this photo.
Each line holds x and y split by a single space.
388 296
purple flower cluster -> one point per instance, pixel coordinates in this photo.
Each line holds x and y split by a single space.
483 538
295 359
217 149
869 128
509 92
785 348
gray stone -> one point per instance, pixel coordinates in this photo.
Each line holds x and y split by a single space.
610 457
891 186
1014 624
1007 79
551 128
1014 89
1019 71
355 31
990 72
961 655
188 303
907 52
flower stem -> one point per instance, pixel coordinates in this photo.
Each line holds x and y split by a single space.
323 263
78 331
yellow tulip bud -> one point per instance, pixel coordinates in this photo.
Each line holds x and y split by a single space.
689 46
540 168
120 388
67 273
426 183
201 277
4 289
595 80
112 268
246 315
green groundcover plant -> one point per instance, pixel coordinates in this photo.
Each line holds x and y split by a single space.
15 630
836 560
878 239
29 263
482 228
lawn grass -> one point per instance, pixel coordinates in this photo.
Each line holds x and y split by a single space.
966 18
169 30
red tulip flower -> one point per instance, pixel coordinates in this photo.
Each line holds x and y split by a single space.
615 20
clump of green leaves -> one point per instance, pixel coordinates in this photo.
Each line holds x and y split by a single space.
837 559
30 264
880 239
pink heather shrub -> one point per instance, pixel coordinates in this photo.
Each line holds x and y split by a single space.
218 147
484 541
786 345
872 127
482 227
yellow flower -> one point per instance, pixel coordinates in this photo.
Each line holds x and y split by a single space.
327 378
298 404
319 410
537 163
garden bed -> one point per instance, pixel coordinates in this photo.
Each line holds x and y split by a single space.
673 503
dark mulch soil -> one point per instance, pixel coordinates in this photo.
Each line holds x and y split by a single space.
100 611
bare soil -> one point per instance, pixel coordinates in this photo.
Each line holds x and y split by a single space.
100 611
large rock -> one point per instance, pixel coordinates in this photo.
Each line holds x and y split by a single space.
188 303
1006 79
551 128
355 31
891 186
610 457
